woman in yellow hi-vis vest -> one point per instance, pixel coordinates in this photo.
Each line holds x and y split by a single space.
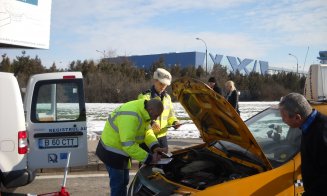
161 79
127 127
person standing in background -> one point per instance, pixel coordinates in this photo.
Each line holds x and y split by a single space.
232 95
296 112
213 84
161 79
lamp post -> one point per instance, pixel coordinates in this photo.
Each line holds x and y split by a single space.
297 62
206 53
102 52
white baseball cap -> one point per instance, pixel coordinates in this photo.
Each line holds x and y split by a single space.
163 76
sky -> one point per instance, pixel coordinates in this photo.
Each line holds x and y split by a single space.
265 30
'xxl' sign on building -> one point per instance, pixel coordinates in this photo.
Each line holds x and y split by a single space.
246 65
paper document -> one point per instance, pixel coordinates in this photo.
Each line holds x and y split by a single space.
167 155
164 161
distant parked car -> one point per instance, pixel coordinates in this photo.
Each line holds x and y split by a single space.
257 157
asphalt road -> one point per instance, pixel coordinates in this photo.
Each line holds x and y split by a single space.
95 184
90 180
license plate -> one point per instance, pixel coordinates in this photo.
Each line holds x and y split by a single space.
71 142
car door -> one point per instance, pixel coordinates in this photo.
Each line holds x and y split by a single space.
56 120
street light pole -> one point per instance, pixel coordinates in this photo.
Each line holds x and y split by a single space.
297 62
102 52
206 53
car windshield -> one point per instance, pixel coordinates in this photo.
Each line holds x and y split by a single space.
277 140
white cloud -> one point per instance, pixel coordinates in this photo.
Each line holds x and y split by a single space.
292 21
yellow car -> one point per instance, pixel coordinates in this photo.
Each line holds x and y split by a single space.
257 157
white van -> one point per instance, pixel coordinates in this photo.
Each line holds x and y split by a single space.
54 124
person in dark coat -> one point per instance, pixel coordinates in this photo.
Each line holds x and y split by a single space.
297 113
232 95
213 84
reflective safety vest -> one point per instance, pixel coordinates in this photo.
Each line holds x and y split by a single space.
127 127
167 117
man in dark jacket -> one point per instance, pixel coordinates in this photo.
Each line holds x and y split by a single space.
213 84
297 113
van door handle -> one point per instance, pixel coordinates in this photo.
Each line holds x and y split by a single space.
60 134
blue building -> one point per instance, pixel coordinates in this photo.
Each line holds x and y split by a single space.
182 59
186 59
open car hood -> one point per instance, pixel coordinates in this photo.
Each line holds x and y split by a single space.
215 118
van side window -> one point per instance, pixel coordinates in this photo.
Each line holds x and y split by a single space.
59 101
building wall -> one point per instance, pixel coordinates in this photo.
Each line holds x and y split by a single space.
185 59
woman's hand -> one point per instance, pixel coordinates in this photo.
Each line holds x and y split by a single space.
177 124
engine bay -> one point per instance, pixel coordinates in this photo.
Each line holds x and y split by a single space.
200 168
